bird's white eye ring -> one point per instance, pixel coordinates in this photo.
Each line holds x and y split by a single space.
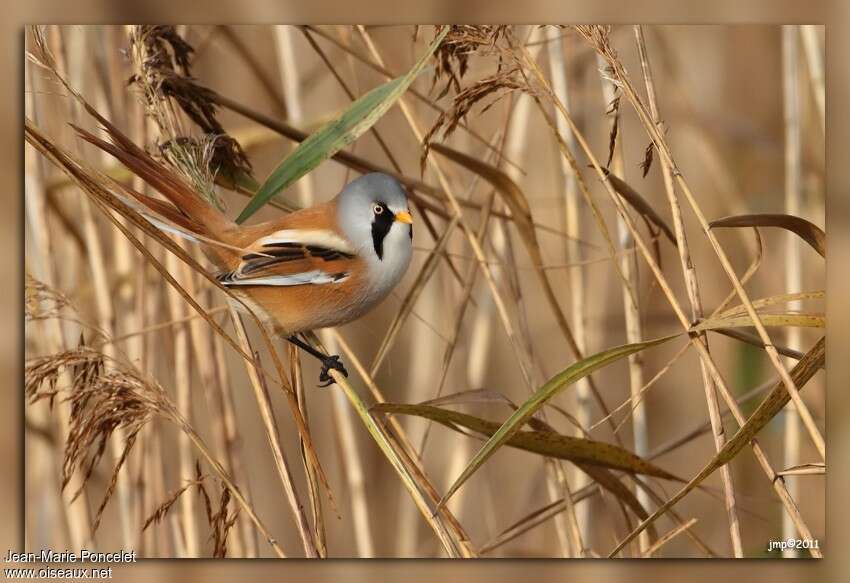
378 209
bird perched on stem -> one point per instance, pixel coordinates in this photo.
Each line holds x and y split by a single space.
314 268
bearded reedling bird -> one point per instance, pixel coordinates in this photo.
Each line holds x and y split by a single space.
313 268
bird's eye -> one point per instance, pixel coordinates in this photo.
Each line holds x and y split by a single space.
378 209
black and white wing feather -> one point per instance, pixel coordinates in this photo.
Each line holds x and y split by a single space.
293 257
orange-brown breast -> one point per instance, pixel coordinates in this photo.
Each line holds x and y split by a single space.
297 308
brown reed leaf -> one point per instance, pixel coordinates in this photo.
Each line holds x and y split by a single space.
543 442
806 230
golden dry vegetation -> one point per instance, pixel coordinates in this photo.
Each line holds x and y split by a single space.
606 253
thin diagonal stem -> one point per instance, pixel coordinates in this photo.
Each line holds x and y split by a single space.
692 286
646 252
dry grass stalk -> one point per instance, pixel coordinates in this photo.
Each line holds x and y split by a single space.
313 484
380 68
106 200
692 286
606 51
600 41
630 281
284 42
648 256
154 73
667 537
182 385
814 60
101 402
162 64
447 528
793 251
261 394
137 331
58 58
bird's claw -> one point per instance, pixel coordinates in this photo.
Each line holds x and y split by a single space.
331 363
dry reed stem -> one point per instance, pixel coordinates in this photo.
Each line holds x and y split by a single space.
378 66
454 541
96 262
297 380
233 440
182 385
75 515
105 201
261 394
631 308
692 287
202 344
352 461
473 241
779 487
289 75
407 454
814 62
283 38
667 537
662 147
710 150
793 251
111 83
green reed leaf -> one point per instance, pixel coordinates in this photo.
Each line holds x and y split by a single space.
361 115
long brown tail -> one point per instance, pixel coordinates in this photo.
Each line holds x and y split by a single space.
189 210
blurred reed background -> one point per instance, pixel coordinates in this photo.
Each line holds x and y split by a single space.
743 116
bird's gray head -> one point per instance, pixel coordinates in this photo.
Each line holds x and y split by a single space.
373 213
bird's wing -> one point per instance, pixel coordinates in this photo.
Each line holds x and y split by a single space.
294 257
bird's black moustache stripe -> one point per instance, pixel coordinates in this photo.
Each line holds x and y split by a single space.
381 226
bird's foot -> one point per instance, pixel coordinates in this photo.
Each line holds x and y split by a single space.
331 363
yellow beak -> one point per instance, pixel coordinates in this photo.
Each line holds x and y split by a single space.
404 217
